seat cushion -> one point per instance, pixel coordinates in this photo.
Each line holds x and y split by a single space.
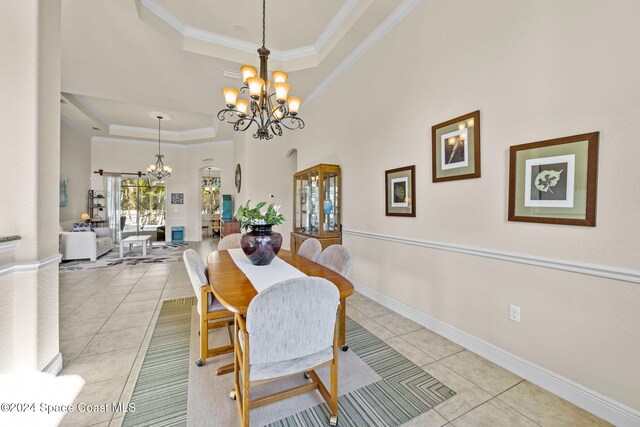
267 371
214 304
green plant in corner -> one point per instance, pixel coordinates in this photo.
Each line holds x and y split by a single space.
249 217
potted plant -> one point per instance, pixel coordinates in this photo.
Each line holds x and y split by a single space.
260 243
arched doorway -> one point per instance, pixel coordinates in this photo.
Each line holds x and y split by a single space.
210 200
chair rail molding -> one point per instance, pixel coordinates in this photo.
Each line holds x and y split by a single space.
614 273
8 243
590 400
22 266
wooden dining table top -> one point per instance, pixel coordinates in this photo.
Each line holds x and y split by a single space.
234 290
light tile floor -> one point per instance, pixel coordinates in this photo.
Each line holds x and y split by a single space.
107 318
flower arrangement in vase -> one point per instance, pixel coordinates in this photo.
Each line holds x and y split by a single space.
260 243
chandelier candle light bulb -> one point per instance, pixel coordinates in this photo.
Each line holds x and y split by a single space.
242 107
248 71
230 96
270 107
279 76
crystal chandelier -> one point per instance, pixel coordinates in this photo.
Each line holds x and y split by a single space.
269 114
159 170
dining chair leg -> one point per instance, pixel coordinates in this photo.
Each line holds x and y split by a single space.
204 329
246 391
343 324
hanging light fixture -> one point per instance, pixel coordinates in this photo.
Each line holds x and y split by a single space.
159 170
208 183
211 182
269 106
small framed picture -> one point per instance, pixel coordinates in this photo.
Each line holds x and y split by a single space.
177 198
400 187
555 181
455 148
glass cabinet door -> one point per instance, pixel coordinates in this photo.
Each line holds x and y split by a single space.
313 213
301 207
331 208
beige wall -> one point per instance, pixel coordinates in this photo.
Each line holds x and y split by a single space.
30 145
536 70
75 165
267 170
186 163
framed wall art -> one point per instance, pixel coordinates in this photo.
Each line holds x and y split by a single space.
400 189
455 148
555 181
177 198
64 196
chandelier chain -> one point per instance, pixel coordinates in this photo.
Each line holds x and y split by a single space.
264 21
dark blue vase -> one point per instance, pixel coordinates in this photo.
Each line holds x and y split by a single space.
261 244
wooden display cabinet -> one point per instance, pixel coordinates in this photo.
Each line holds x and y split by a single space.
316 206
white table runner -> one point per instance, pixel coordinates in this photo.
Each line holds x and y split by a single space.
263 276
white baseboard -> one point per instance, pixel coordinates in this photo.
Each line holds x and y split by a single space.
581 396
55 366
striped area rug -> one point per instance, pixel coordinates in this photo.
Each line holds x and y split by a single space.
160 394
404 392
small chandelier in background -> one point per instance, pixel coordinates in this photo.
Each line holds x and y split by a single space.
268 114
209 183
159 170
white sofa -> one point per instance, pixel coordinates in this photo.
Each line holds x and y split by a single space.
84 244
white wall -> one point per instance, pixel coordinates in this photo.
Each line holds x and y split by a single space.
75 165
535 70
185 161
30 147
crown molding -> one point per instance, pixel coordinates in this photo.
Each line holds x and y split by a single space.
292 59
106 139
387 25
336 22
73 125
168 135
82 104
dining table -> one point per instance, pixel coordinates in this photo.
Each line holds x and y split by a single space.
233 289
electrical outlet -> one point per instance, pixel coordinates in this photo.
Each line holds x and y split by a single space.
514 313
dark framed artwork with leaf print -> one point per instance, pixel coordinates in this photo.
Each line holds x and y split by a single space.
400 191
555 181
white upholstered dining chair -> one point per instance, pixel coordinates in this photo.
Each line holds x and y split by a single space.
310 249
230 241
212 313
290 328
337 258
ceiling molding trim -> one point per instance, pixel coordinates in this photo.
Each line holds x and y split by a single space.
106 139
82 104
335 24
168 135
187 31
389 23
164 15
219 39
73 125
